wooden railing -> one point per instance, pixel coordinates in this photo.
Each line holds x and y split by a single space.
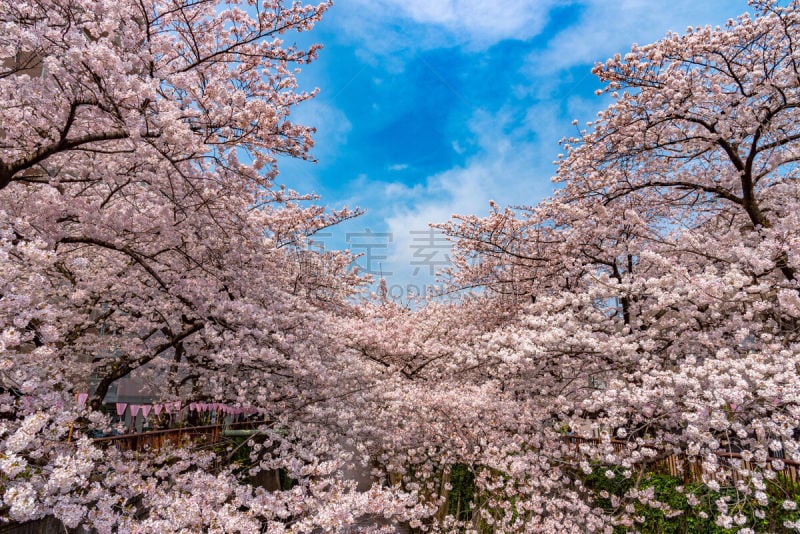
678 466
156 439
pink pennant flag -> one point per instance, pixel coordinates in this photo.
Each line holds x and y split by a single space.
135 409
193 407
146 409
157 409
121 408
82 397
176 406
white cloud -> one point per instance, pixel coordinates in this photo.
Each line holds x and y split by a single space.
508 168
483 22
475 23
331 123
606 28
333 128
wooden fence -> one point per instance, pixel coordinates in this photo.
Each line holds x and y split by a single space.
156 439
678 466
47 525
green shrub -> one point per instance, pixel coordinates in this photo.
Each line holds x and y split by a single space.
459 500
700 518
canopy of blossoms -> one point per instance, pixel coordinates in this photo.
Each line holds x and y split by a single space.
652 302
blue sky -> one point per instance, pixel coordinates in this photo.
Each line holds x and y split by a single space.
429 108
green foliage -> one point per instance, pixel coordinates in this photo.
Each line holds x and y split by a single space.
460 498
237 449
700 518
674 514
286 482
691 519
600 484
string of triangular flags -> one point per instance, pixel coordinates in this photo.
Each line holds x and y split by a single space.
171 407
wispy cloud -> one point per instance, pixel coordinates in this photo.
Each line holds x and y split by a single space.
605 28
480 22
508 167
477 24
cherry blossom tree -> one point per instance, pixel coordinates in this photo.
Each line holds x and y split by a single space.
143 234
653 299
